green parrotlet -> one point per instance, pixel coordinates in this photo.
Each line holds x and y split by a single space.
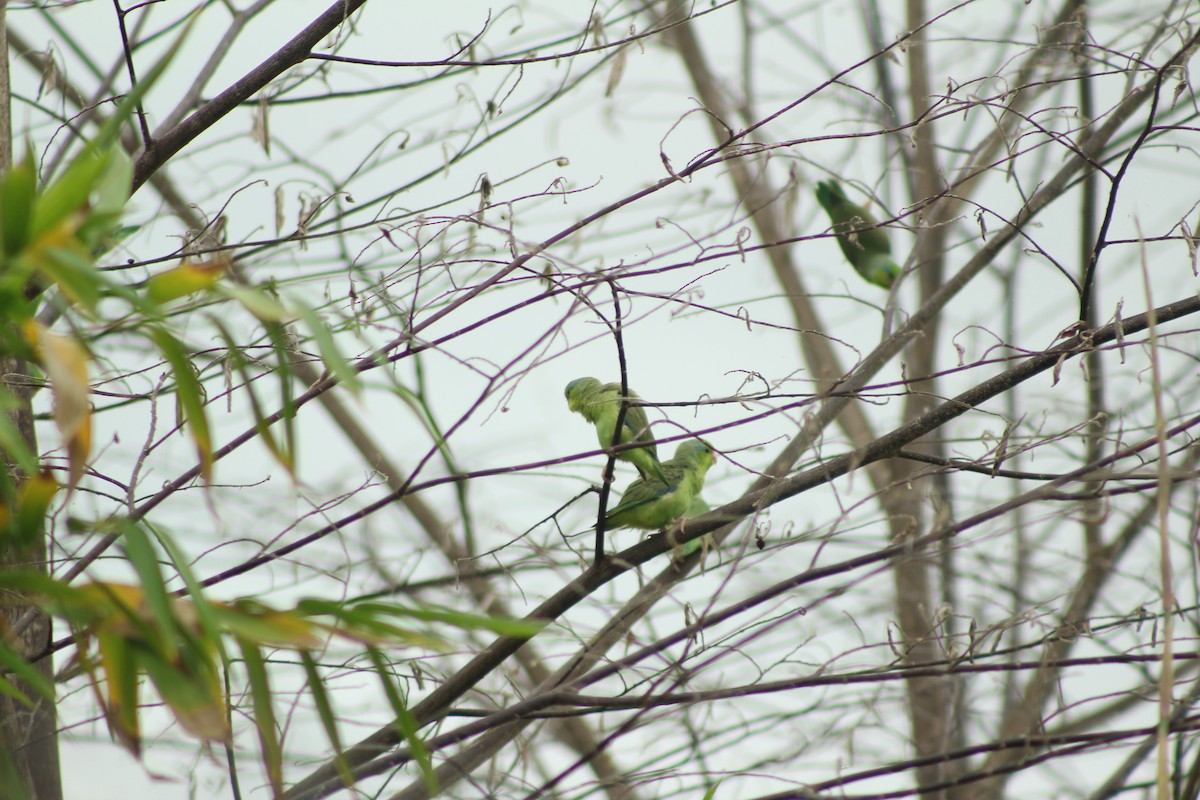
863 242
698 507
599 403
651 504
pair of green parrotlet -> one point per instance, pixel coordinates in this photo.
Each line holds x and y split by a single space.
863 242
666 490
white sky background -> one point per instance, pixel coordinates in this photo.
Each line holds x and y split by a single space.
611 148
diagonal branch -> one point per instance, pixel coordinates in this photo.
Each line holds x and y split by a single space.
574 731
766 490
168 144
368 757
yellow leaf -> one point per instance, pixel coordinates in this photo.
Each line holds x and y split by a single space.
188 278
119 664
203 720
66 364
259 624
112 606
192 691
61 235
32 504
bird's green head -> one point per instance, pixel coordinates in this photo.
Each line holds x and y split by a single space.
829 194
577 390
696 451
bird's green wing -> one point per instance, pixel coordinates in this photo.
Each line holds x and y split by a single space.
649 503
636 428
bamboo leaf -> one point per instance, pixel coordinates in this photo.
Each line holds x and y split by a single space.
121 671
287 405
258 623
190 394
188 278
325 711
33 499
337 365
504 627
257 302
18 193
405 722
13 662
68 195
281 453
264 714
111 190
66 364
155 599
199 619
69 266
190 688
12 442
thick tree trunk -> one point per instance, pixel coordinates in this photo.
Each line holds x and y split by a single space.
27 734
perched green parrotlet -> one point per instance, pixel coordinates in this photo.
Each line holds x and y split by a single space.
698 507
599 403
651 504
863 242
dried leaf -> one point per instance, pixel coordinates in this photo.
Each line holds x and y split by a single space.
260 128
615 73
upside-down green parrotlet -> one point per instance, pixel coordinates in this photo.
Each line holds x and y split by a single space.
651 504
599 403
863 242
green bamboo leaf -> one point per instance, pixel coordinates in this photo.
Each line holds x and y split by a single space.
73 271
405 722
325 712
209 636
144 559
33 498
337 365
282 454
280 341
121 672
9 689
191 689
190 394
69 193
18 193
504 627
257 302
370 630
11 777
260 624
13 662
188 278
112 188
114 236
53 592
376 622
12 442
315 606
99 230
264 714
